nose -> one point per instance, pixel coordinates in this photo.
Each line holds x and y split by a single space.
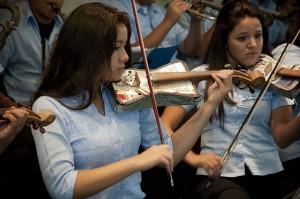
124 56
252 43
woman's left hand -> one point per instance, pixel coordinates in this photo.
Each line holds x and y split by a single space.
221 86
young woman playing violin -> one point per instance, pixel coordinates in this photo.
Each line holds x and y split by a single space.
240 39
91 150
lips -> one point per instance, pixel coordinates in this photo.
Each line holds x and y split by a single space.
251 53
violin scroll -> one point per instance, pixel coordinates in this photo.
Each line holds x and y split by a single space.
252 79
36 120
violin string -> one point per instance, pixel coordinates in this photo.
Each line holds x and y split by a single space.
146 66
239 134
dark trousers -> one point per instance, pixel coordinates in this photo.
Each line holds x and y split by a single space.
248 186
290 177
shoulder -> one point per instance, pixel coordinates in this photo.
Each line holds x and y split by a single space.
278 50
45 102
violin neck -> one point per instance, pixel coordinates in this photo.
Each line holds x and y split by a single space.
180 76
289 73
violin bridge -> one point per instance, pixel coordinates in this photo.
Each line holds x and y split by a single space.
131 78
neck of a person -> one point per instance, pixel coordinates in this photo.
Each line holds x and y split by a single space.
99 103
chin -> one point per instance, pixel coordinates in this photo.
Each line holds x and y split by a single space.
116 79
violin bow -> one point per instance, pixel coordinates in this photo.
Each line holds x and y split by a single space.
146 66
238 135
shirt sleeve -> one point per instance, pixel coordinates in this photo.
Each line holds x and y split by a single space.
149 130
279 100
54 152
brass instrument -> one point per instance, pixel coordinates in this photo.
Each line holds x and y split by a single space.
57 10
12 23
196 8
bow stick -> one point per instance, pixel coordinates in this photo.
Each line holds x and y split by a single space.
146 66
233 144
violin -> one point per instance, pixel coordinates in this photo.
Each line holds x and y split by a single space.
36 120
254 78
289 73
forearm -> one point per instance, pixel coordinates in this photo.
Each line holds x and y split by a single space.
206 41
6 102
92 181
190 158
6 136
186 136
190 46
155 38
288 133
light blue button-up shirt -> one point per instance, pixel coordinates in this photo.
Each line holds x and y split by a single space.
256 148
292 56
150 17
85 139
21 57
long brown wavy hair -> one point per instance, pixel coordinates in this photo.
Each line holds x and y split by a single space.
80 61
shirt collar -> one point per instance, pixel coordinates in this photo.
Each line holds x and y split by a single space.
146 9
28 15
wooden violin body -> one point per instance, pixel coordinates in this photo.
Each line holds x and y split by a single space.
36 120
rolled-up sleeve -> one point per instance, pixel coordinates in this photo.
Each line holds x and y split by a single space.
55 154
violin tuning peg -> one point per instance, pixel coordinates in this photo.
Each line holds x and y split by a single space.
251 88
242 85
228 66
42 130
35 125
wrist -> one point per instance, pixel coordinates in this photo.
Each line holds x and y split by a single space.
167 24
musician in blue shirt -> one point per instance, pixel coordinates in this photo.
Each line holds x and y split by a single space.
25 53
91 150
160 27
22 61
254 164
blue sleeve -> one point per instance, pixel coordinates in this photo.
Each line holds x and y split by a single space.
149 130
54 152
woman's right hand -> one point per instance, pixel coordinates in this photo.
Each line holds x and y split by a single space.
158 155
211 162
